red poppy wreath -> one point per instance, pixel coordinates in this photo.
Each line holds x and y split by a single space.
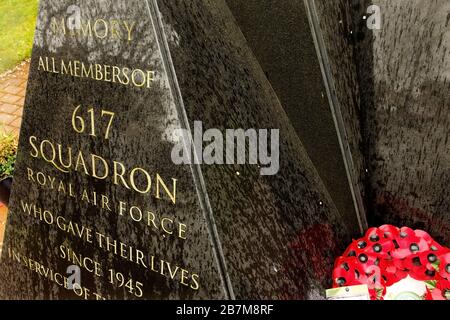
388 258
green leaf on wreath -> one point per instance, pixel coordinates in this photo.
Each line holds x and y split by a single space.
379 292
431 284
436 265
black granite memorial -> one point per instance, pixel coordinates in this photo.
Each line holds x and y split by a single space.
391 82
407 124
99 210
280 36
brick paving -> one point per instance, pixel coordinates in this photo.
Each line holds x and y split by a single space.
12 96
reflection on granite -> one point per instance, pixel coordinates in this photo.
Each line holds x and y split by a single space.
138 139
269 226
408 125
394 104
250 236
336 22
279 35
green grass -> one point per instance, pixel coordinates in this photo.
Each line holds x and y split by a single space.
17 23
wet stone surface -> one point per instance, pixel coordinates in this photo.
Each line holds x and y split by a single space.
279 35
92 139
407 124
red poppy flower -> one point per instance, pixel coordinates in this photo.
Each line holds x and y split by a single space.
382 249
389 232
401 274
442 290
437 248
374 234
428 295
348 272
444 265
425 235
387 255
428 259
407 243
351 250
399 264
374 243
414 266
377 293
436 294
375 278
356 248
390 273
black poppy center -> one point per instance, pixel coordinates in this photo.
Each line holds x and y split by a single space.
446 294
414 247
340 281
362 244
363 258
430 273
396 245
416 261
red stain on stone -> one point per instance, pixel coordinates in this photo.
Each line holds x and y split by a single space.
311 262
